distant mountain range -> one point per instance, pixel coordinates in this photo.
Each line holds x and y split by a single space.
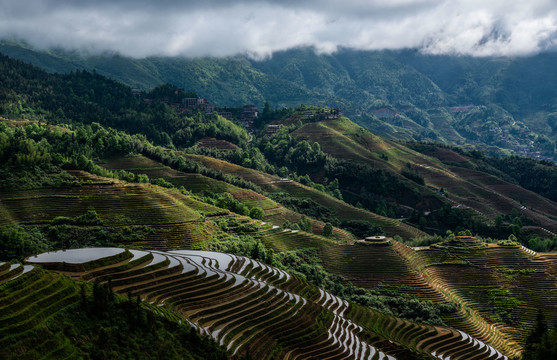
507 104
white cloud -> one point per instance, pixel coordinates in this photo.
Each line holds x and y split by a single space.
218 28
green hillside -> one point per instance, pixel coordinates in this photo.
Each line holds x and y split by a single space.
466 181
318 240
273 212
274 184
399 94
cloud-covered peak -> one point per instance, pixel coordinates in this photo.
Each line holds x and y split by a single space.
143 28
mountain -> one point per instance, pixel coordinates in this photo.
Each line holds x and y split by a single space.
465 181
275 244
498 104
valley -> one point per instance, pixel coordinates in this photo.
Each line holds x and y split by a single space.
303 236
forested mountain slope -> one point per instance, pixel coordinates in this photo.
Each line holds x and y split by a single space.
508 103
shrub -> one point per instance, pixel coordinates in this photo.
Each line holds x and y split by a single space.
256 213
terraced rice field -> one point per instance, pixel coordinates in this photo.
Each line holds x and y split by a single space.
246 306
139 164
503 286
195 183
481 191
335 139
173 220
217 144
29 296
286 240
274 212
274 184
372 265
488 194
117 204
501 276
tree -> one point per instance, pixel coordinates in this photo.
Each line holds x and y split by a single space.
328 229
535 337
256 213
305 224
465 233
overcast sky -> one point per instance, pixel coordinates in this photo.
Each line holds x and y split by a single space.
142 28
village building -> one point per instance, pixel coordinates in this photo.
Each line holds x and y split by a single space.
248 116
226 114
193 103
273 129
198 103
332 114
207 107
250 112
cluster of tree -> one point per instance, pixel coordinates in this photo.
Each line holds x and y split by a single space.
307 207
282 150
84 97
236 225
411 173
538 176
304 224
454 219
541 343
170 94
361 228
227 201
268 115
368 186
541 244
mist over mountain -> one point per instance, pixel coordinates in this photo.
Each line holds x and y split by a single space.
261 28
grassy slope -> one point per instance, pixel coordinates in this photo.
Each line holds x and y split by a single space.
274 212
482 192
273 184
175 220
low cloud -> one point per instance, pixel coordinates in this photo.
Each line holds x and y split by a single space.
219 28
